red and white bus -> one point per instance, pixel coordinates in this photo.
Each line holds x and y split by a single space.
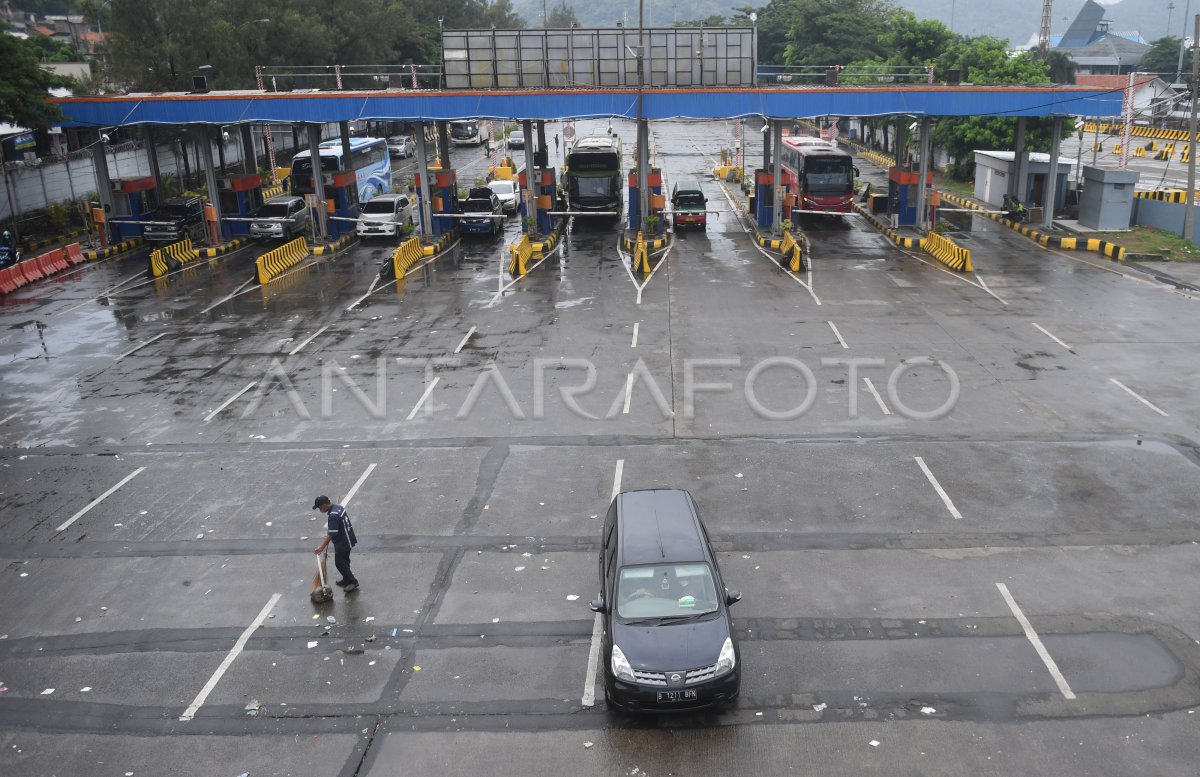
820 174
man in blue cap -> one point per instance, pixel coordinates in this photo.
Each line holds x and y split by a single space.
341 534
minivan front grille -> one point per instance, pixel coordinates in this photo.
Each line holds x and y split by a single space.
692 677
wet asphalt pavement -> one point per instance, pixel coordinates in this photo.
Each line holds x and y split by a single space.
979 560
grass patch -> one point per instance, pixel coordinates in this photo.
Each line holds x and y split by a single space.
1148 240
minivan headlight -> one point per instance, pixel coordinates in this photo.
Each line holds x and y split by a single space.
727 660
620 665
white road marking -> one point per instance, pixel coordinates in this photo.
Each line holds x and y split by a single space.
589 679
628 393
1036 641
761 250
198 702
467 337
627 263
1138 397
837 333
230 401
428 390
938 487
1052 337
107 292
139 347
99 499
635 335
308 340
878 399
230 296
354 489
984 286
941 268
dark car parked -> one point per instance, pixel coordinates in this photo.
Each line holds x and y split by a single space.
175 219
668 639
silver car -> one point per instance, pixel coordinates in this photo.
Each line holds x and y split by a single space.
401 146
385 216
284 216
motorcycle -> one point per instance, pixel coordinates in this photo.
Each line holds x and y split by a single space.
9 256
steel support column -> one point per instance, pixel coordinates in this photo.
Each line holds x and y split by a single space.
103 183
314 155
443 135
347 154
922 174
531 181
1017 186
249 155
1050 190
776 134
210 176
424 195
152 159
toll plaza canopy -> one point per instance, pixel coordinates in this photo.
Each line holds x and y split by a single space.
778 102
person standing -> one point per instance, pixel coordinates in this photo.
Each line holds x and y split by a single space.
556 144
340 532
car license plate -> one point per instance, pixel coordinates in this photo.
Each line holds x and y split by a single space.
665 697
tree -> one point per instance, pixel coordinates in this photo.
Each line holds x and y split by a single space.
562 16
1163 58
832 32
48 49
23 89
1061 67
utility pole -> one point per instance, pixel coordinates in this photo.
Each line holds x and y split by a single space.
1187 9
1188 215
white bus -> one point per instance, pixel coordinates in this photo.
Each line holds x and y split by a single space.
465 133
372 165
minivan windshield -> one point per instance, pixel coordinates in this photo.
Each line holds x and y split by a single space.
274 210
380 206
690 199
666 591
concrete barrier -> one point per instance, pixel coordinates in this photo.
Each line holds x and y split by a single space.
519 254
74 253
172 257
275 262
405 256
947 252
641 255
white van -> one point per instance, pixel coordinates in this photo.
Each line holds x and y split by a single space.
385 215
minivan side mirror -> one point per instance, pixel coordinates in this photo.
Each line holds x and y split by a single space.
732 597
597 605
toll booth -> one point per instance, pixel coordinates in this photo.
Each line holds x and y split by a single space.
443 193
133 200
763 199
902 194
543 198
656 199
341 199
241 197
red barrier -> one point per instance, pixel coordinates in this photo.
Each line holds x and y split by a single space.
7 283
45 263
74 254
59 258
29 268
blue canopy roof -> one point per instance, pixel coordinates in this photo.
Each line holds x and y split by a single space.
770 102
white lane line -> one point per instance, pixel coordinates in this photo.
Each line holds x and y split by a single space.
428 390
941 268
358 484
198 702
878 399
99 499
837 334
467 337
230 401
1052 337
938 487
635 335
106 293
628 393
139 347
589 679
230 296
308 340
1138 397
1036 641
984 286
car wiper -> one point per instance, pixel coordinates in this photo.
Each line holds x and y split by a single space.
660 619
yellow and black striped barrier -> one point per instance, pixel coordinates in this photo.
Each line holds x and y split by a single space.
547 243
272 191
406 255
947 252
1163 195
730 173
172 257
224 248
879 159
792 249
276 261
903 241
1111 250
519 254
641 254
1139 152
113 250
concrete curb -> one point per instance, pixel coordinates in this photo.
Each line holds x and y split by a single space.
336 245
113 250
224 248
1103 247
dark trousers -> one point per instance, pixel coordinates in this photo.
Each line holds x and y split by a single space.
341 560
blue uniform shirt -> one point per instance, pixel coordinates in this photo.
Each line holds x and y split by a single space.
340 530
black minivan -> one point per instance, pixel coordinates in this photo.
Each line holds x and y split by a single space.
668 639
